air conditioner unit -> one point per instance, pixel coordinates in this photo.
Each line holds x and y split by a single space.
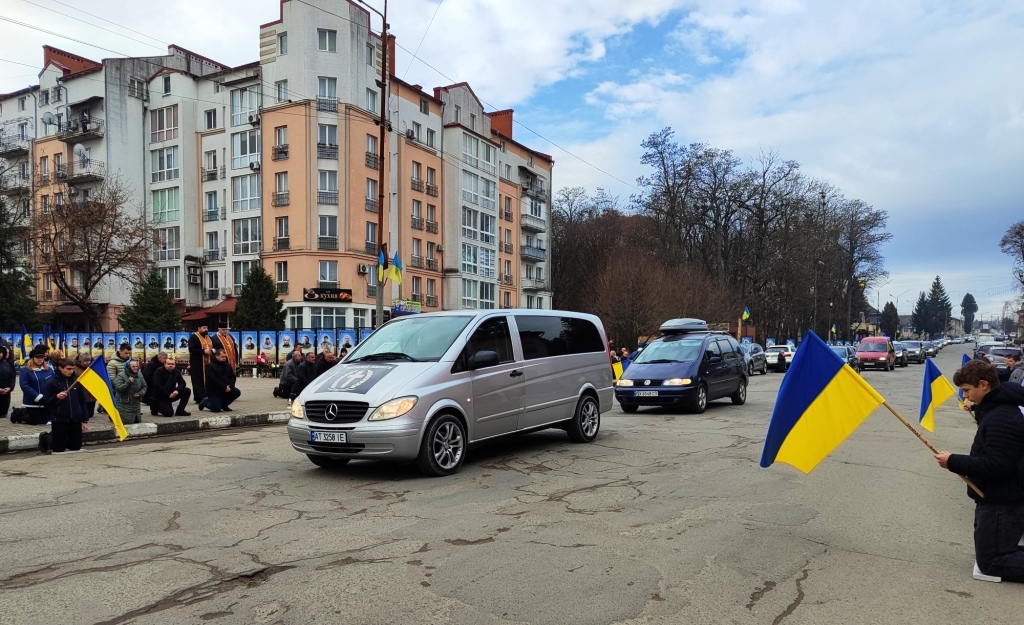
254 119
363 269
226 291
195 280
255 166
195 271
409 133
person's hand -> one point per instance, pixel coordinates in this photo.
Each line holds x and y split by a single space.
62 394
943 459
227 389
135 394
174 394
85 426
4 391
208 352
968 407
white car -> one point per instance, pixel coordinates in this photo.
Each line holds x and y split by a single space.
773 352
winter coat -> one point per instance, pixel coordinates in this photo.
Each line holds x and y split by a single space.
33 385
997 455
6 374
219 376
115 366
290 371
306 373
151 367
1016 374
166 382
70 409
129 406
322 366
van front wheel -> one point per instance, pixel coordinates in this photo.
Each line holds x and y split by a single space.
443 448
586 422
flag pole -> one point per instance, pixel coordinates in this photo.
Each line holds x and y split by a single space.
929 445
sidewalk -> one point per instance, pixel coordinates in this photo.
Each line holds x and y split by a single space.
256 406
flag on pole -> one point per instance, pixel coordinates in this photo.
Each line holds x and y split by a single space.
396 269
937 389
746 313
822 400
95 380
25 338
833 328
960 392
382 265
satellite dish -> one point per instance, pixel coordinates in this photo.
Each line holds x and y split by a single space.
48 118
80 151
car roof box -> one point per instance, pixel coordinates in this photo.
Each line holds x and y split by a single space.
682 326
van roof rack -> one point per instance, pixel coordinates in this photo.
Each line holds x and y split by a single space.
683 326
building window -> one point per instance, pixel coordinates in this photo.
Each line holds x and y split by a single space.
211 119
296 316
281 87
431 213
371 100
281 182
282 43
327 87
245 148
371 53
21 104
211 201
508 172
165 205
163 124
470 294
487 263
326 40
327 318
327 135
470 219
431 176
245 193
417 209
487 228
417 131
244 102
486 295
281 274
431 287
417 286
167 243
167 85
172 280
327 180
431 137
371 232
470 187
44 97
240 269
328 226
165 164
472 121
458 113
44 166
469 258
488 193
282 227
328 274
424 107
247 236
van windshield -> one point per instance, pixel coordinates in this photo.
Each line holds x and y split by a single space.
873 347
414 338
670 351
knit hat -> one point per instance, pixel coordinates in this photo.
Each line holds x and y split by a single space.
38 350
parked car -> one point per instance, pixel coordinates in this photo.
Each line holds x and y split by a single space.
755 358
688 366
997 356
877 352
849 354
915 351
984 348
930 349
424 387
774 352
902 358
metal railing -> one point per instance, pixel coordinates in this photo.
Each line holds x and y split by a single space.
327 197
431 300
506 215
536 190
282 288
326 150
212 294
282 244
160 255
211 174
371 248
506 248
138 91
534 283
279 152
417 185
432 264
371 290
533 253
371 205
372 160
327 284
326 104
327 243
214 255
81 130
14 183
280 198
416 261
417 223
82 171
417 297
13 145
432 189
505 278
531 222
432 226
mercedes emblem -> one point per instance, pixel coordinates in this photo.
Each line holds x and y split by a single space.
332 412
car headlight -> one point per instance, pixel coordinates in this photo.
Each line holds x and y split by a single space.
296 410
393 409
676 382
624 383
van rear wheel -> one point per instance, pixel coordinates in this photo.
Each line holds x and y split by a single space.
326 462
740 396
586 422
443 448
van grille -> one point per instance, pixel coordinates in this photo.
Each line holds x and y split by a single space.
338 448
347 411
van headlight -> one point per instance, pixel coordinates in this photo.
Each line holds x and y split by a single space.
296 410
393 409
676 382
624 383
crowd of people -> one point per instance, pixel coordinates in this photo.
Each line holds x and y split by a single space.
300 370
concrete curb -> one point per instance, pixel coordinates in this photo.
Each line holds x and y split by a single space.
20 442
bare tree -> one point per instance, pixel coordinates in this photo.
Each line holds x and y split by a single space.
1012 244
84 245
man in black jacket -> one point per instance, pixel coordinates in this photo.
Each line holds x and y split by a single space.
155 363
994 465
168 386
220 384
305 374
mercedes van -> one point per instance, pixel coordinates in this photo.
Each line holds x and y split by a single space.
424 387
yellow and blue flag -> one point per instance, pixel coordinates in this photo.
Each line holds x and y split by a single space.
382 265
396 269
26 338
833 328
822 400
960 392
95 380
746 313
937 389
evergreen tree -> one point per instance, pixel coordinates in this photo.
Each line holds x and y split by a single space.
16 304
890 320
921 316
151 308
967 308
258 307
939 307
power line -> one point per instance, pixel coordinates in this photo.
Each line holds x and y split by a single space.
422 39
145 43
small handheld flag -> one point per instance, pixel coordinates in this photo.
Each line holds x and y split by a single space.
937 389
960 392
95 380
746 313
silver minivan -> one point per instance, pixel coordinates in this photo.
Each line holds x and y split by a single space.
424 387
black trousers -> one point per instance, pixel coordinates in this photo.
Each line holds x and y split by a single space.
5 404
166 406
997 530
66 435
216 403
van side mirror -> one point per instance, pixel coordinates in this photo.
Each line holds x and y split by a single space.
713 360
483 358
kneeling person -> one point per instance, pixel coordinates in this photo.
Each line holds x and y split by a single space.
220 384
169 387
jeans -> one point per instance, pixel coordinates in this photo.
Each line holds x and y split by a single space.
216 403
997 530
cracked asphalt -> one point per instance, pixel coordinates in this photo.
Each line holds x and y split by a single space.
665 519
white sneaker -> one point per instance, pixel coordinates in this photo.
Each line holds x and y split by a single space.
61 453
978 575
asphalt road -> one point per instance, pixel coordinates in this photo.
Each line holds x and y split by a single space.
665 519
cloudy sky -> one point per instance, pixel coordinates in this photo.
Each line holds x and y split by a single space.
914 106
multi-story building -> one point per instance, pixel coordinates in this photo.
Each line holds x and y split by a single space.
279 163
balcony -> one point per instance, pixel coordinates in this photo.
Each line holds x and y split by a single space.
371 248
327 243
432 190
432 264
417 185
214 214
11 147
327 284
327 197
280 198
431 300
535 284
372 160
371 205
327 104
87 171
211 174
47 296
417 223
535 254
432 226
506 215
416 261
505 248
279 152
531 222
79 130
214 255
162 255
14 184
371 290
417 297
137 90
326 150
282 244
506 279
211 294
535 189
282 288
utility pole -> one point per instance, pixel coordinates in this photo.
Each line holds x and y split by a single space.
382 191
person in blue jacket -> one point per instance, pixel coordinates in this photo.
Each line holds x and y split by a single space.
33 379
69 414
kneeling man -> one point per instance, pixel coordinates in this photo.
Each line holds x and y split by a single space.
169 387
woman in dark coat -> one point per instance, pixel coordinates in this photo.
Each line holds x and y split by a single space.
6 381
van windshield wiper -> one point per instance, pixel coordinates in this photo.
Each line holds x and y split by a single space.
386 356
659 361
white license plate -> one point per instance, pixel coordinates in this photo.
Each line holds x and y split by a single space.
329 437
645 393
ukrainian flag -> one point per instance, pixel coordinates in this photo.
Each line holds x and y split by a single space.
937 389
396 269
382 265
95 380
821 402
746 313
960 392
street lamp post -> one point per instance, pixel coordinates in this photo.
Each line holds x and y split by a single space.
897 298
814 313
